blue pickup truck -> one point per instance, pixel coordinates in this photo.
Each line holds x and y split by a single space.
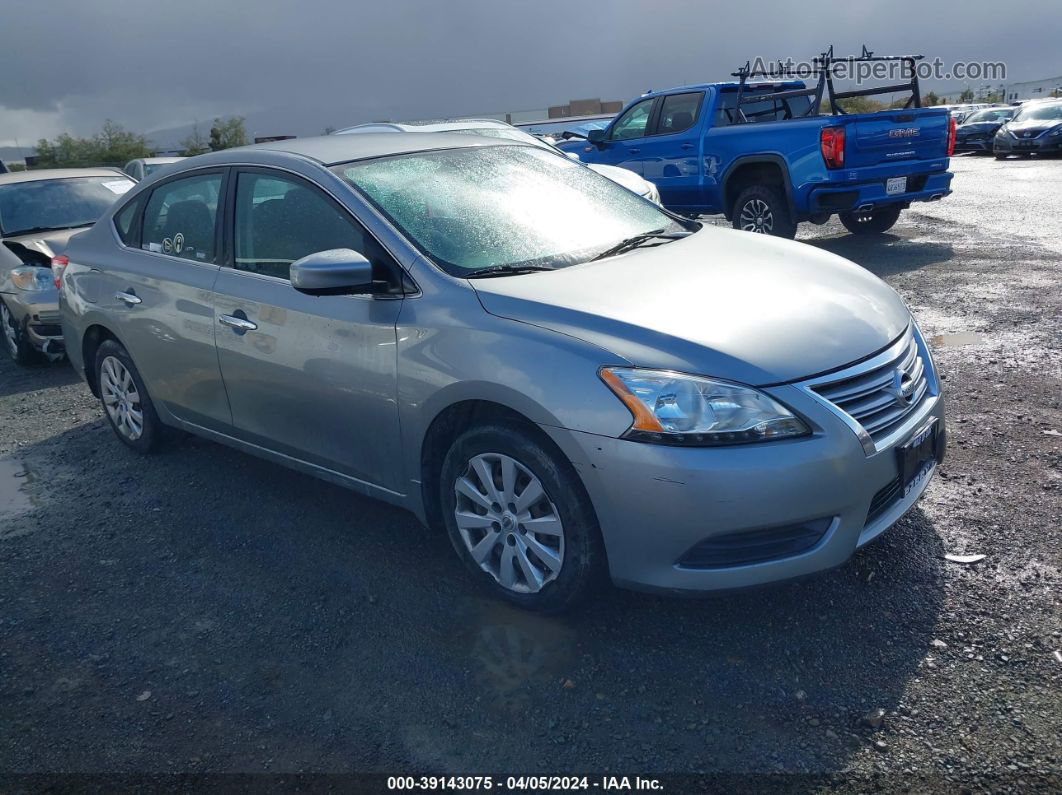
761 154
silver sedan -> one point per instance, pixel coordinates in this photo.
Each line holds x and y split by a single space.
567 379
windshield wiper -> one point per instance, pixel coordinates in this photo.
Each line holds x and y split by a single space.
33 230
505 270
633 242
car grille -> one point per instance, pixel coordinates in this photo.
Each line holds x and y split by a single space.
871 397
755 546
884 499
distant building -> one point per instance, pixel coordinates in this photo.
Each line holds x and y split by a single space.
1035 89
584 107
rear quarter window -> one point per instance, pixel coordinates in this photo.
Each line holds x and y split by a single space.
125 222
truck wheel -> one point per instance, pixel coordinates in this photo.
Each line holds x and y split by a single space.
762 209
873 223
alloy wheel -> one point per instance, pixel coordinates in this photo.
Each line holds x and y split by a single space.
121 398
508 523
7 325
756 216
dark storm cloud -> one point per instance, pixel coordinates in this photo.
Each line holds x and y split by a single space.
307 63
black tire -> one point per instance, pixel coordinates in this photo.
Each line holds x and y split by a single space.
1001 155
582 560
873 223
152 431
762 209
15 341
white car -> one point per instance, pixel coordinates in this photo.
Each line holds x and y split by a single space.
492 128
144 167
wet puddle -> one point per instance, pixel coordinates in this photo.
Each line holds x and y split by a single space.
954 340
14 499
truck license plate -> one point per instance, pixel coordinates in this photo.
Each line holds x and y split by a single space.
896 185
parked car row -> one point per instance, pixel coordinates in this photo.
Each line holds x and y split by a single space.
1035 129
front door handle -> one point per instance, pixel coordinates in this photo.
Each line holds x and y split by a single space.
634 151
238 323
129 299
687 145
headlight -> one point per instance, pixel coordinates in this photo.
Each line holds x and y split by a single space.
31 278
674 408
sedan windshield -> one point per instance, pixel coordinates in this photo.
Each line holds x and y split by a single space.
1050 112
48 204
504 206
993 114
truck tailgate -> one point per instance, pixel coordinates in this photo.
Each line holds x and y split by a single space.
896 136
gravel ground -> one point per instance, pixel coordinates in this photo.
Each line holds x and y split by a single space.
204 611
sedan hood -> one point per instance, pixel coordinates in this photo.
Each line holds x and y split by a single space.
1031 127
734 305
624 177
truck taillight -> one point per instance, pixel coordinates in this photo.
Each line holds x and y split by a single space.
59 264
951 135
831 141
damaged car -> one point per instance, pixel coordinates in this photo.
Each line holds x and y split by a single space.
39 212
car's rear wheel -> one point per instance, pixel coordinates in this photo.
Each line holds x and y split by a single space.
15 341
520 519
762 209
870 223
125 399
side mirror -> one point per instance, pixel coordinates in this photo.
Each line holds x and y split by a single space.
596 137
337 271
574 156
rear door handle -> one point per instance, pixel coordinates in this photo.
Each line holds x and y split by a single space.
687 145
238 323
634 151
129 299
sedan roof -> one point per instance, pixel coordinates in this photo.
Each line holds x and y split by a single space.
60 173
333 149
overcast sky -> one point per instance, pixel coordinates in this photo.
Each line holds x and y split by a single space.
300 65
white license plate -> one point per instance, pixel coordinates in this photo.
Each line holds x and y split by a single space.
896 185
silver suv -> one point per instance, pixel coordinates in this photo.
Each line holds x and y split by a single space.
567 378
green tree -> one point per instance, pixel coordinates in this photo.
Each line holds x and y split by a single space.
111 146
930 99
195 143
227 133
967 95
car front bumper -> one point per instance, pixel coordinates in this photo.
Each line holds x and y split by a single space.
37 314
973 145
656 503
1017 146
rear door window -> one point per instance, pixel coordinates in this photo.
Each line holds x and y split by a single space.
678 112
181 218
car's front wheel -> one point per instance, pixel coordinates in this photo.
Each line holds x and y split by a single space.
520 519
870 223
125 399
14 339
